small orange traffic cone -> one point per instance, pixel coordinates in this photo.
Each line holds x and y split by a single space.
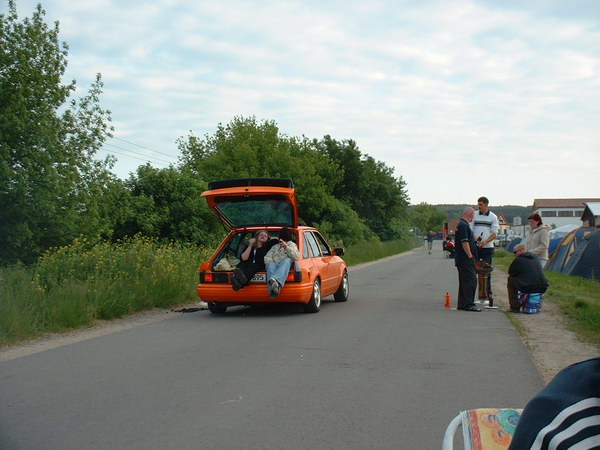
447 300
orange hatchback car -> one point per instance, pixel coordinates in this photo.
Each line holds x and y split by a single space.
248 205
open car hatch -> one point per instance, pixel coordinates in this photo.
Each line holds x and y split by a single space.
246 202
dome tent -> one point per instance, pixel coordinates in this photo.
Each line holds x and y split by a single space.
567 247
585 261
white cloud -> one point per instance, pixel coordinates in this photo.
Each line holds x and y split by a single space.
442 91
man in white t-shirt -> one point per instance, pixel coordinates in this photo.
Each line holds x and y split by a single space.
485 229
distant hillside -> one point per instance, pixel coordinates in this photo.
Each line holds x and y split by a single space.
510 211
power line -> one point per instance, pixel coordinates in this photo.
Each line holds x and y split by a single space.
139 153
114 152
141 146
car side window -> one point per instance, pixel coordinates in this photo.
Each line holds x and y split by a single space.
314 247
305 251
324 247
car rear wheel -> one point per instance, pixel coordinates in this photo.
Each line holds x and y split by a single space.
216 308
314 304
341 295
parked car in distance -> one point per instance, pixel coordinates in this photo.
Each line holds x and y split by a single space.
246 206
502 240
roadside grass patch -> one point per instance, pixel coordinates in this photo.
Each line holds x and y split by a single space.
373 250
73 286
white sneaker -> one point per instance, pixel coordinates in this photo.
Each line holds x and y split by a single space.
275 289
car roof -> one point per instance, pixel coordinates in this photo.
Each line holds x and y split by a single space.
248 202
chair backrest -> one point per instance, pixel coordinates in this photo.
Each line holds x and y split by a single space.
483 428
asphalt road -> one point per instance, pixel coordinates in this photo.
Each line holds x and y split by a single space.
388 369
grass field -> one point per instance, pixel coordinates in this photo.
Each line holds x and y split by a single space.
578 299
75 286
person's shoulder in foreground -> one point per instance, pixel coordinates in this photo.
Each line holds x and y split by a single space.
566 413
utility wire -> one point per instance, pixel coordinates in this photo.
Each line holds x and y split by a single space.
141 146
139 153
129 156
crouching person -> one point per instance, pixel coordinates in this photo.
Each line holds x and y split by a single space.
279 260
525 275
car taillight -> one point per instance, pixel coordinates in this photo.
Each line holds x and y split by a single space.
212 277
294 277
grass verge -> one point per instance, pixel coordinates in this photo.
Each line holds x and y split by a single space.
373 250
578 299
74 286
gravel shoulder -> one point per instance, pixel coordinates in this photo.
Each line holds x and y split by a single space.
547 336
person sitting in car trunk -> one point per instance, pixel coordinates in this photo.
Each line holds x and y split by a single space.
252 260
279 260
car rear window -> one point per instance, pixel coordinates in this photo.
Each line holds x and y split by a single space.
243 212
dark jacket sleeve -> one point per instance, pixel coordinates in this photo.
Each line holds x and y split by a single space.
570 401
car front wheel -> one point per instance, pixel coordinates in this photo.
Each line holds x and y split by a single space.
341 295
314 304
216 308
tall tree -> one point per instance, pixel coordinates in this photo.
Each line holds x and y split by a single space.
248 148
369 187
427 217
47 142
166 204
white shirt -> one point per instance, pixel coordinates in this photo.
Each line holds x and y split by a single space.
487 224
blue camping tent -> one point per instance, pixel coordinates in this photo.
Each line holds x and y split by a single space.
554 241
561 232
566 248
585 261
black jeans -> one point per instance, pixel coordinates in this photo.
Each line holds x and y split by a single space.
249 269
467 283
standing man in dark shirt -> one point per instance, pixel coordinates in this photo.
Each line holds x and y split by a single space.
464 260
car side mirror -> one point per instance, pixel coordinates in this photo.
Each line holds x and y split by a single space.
338 251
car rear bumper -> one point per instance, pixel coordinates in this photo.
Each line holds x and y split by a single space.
254 293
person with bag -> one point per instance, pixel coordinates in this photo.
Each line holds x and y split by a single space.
525 275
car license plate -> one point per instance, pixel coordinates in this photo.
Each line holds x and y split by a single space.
259 278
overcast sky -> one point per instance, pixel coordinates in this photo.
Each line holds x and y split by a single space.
462 98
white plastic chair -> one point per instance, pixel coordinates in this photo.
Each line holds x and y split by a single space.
483 428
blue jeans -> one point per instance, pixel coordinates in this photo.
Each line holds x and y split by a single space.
279 271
